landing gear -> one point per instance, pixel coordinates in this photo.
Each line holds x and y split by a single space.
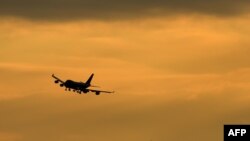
67 89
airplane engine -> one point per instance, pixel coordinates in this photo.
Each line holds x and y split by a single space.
97 93
56 81
61 85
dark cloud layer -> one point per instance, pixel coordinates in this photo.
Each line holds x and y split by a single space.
113 9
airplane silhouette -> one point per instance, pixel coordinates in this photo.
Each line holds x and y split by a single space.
79 87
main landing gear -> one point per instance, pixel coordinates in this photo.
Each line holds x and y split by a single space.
67 89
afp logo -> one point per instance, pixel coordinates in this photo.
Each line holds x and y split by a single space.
236 132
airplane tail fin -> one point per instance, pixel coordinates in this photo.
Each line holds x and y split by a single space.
90 78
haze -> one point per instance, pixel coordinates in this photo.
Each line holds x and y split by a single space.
180 69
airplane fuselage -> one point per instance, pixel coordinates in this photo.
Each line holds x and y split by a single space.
75 85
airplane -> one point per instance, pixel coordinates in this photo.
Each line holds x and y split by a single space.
79 87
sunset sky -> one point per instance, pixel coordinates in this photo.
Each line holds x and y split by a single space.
180 69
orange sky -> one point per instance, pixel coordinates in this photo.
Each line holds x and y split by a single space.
176 78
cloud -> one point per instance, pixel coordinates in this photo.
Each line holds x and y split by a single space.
182 45
112 9
170 75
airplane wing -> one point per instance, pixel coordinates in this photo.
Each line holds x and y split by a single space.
57 79
97 92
